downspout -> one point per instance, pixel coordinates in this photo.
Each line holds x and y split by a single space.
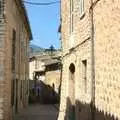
92 65
61 66
61 48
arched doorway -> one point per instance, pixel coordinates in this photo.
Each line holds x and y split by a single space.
72 92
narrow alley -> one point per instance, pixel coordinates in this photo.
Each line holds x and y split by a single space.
59 59
38 112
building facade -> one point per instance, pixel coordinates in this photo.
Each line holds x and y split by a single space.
15 34
53 75
45 71
107 57
90 58
36 65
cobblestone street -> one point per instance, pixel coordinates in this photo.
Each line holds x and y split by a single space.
38 112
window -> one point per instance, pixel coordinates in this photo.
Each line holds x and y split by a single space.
36 64
1 7
1 70
71 16
21 91
13 49
81 7
12 91
84 68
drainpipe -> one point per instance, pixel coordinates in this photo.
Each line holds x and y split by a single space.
60 79
92 64
61 58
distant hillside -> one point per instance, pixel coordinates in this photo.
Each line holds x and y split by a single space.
35 48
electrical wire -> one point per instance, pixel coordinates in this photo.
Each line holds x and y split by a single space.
35 3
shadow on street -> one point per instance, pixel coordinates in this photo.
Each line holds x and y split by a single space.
38 112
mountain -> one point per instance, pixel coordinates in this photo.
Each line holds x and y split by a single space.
35 48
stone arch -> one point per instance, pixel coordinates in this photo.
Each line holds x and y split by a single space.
72 68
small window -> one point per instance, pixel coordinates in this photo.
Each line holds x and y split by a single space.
13 49
81 7
84 72
36 64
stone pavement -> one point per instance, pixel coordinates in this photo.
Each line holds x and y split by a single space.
38 112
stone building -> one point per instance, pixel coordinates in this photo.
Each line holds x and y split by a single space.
45 70
15 34
35 66
90 35
53 74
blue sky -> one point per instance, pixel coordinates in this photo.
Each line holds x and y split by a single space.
44 21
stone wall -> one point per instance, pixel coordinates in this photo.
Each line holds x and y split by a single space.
76 49
12 19
107 56
3 63
53 77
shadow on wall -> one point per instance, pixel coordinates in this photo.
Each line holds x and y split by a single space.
81 111
43 94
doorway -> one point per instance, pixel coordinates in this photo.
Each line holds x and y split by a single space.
71 92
